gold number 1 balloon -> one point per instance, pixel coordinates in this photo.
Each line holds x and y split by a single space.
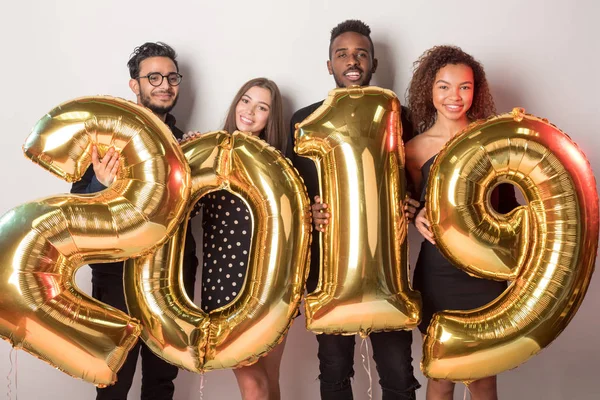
258 318
355 138
547 247
43 243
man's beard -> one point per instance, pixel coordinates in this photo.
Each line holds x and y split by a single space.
146 101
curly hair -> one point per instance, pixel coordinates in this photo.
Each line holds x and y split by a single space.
147 50
351 25
419 92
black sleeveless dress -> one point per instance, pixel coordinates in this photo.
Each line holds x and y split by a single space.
442 285
227 227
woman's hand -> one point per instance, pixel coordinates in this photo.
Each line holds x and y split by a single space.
107 167
189 136
410 208
423 225
320 218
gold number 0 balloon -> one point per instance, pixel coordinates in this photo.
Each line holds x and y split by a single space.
44 242
258 318
355 138
547 247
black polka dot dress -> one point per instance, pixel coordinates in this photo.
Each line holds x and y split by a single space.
227 227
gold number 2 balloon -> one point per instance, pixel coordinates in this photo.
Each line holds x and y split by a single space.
547 247
44 242
355 139
258 318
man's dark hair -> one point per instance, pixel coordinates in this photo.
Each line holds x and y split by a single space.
147 50
352 25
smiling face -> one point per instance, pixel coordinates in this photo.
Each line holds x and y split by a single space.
253 109
351 60
453 90
160 99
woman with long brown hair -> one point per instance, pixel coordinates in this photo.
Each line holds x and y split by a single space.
227 226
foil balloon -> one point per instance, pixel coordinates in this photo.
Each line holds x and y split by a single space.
44 242
236 334
355 140
547 248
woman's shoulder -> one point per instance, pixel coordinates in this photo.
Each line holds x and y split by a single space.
422 138
420 148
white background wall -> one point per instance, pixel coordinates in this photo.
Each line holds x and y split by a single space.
540 55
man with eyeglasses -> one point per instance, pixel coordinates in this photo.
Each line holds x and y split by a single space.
155 81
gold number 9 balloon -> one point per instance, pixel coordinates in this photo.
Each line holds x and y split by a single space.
258 318
355 138
547 247
44 242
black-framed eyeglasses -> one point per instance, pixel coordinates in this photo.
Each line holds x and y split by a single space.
156 78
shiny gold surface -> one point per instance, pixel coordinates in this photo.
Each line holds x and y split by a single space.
258 318
547 248
355 138
44 242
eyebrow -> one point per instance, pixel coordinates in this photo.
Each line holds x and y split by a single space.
443 81
261 102
346 49
158 72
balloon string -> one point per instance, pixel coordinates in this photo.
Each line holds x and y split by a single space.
201 385
367 365
467 390
8 376
10 373
16 375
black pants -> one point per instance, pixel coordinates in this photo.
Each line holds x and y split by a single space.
157 374
393 359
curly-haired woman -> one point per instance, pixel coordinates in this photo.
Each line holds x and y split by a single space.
447 92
